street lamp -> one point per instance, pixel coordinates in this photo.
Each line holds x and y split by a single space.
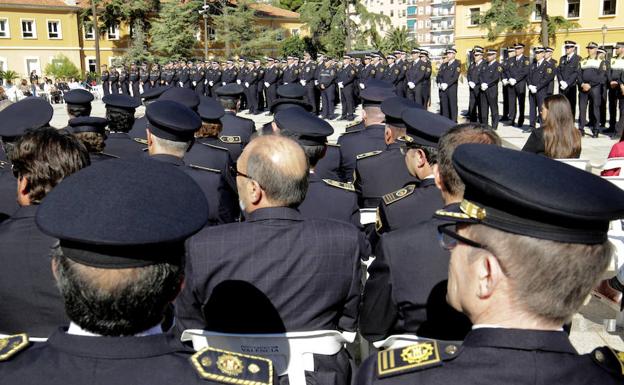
204 12
604 34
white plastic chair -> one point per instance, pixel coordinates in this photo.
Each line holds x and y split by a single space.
582 164
291 353
612 163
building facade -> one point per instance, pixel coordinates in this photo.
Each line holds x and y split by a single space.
431 24
600 21
394 9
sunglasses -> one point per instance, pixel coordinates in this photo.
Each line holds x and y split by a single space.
234 171
449 239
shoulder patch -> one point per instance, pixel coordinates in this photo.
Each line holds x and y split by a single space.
340 185
609 359
399 194
526 62
3 163
500 69
231 139
422 68
11 345
428 69
422 355
548 70
458 69
232 368
139 140
368 154
196 167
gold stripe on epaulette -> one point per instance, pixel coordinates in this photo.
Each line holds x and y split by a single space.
236 381
368 154
340 185
451 214
139 140
11 345
111 155
473 210
419 355
204 168
398 195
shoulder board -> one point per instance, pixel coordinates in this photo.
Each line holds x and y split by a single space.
213 146
353 124
399 194
11 345
333 145
610 360
368 154
196 167
139 140
351 132
422 355
232 368
231 139
110 155
341 185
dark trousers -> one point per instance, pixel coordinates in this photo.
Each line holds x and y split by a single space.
570 93
517 95
489 103
400 88
595 95
271 94
535 105
448 102
506 101
310 95
603 107
411 94
346 101
474 106
125 89
114 87
327 102
135 90
199 88
147 85
106 87
252 98
420 96
616 103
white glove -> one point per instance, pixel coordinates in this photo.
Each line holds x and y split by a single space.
484 86
505 81
247 84
444 86
181 84
211 83
533 89
472 84
266 84
362 86
223 83
303 82
205 82
194 83
411 85
340 85
238 81
316 83
285 83
563 84
512 81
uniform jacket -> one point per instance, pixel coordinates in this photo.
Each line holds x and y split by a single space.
236 133
330 200
123 146
518 68
329 165
569 69
8 191
355 143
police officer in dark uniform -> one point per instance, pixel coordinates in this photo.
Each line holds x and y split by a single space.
250 82
426 85
569 74
120 115
307 79
327 85
415 78
105 77
402 65
344 79
137 133
78 102
616 96
196 76
144 79
215 78
291 72
379 67
134 78
114 80
99 249
474 105
154 76
271 76
449 75
517 307
408 276
593 77
518 72
259 69
123 81
91 131
237 131
415 202
184 77
366 73
489 76
548 52
360 143
391 75
229 73
541 74
380 172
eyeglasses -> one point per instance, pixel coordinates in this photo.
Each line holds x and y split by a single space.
449 239
234 171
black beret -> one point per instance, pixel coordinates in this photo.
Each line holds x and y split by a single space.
87 124
154 92
172 121
121 101
28 113
311 129
425 128
78 97
393 109
231 90
375 92
291 91
528 194
184 96
121 214
210 109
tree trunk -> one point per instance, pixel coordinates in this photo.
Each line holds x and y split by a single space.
96 33
347 28
544 23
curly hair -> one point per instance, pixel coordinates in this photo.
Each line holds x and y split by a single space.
119 120
93 141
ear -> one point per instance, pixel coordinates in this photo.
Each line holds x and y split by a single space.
150 141
274 127
54 266
256 192
388 137
23 189
490 274
438 178
422 158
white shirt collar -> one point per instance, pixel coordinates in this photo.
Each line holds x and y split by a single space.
76 330
429 177
494 326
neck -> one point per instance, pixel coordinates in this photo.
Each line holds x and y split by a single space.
513 318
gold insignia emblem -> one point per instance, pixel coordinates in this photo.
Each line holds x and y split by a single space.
416 354
206 361
3 343
401 193
526 62
451 349
472 210
381 70
548 70
253 368
396 72
352 72
458 69
428 69
230 365
500 69
422 68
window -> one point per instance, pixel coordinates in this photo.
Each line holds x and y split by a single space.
29 29
113 32
421 10
537 12
4 28
391 13
574 8
89 31
280 35
54 29
212 33
428 23
411 11
608 7
475 14
420 24
91 65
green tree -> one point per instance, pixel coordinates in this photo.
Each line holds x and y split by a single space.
296 46
292 5
111 12
174 31
504 16
237 28
62 67
397 39
138 51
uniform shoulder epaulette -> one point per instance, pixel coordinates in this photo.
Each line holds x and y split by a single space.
353 124
340 185
139 140
213 146
399 194
610 360
412 358
109 155
230 139
368 154
232 368
11 345
196 167
352 131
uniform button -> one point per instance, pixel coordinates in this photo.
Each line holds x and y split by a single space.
451 350
599 356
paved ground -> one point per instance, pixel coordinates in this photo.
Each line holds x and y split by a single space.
587 327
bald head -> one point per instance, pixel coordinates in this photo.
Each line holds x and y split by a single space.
373 115
279 167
